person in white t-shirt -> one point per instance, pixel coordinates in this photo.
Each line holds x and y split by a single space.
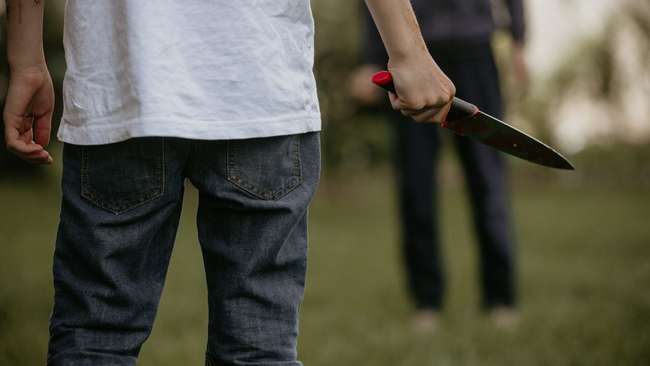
218 92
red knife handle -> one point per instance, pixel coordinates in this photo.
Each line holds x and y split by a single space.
460 109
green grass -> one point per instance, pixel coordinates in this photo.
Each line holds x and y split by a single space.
584 280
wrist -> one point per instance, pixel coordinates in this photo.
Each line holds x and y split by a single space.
410 60
408 51
518 44
32 76
27 65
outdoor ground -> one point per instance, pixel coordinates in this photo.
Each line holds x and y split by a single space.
584 278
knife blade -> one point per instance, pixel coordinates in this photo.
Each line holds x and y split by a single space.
466 119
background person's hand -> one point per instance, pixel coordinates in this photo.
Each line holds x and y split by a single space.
520 68
28 114
362 89
424 92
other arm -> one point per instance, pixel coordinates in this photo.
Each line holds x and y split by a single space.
30 97
518 32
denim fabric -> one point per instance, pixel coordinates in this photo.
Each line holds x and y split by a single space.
120 211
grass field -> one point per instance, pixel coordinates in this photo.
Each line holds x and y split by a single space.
584 280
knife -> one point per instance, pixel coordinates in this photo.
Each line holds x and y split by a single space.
465 119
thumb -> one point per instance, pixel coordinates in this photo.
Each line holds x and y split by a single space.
43 108
395 101
43 129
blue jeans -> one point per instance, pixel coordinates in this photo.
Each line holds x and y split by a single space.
120 211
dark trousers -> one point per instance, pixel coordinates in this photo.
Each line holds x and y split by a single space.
472 69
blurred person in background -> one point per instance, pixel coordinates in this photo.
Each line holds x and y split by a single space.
458 34
221 93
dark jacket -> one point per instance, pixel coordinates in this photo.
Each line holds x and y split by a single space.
450 20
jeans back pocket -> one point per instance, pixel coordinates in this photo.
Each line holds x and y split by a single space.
119 177
267 168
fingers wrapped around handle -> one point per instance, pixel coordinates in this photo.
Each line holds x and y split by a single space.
459 110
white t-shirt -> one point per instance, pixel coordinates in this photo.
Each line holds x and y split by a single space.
197 69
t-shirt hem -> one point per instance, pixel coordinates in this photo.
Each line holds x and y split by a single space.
107 133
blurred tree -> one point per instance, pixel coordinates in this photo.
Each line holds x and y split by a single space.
596 95
352 138
598 69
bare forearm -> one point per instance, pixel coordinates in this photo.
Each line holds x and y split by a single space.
398 27
25 33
